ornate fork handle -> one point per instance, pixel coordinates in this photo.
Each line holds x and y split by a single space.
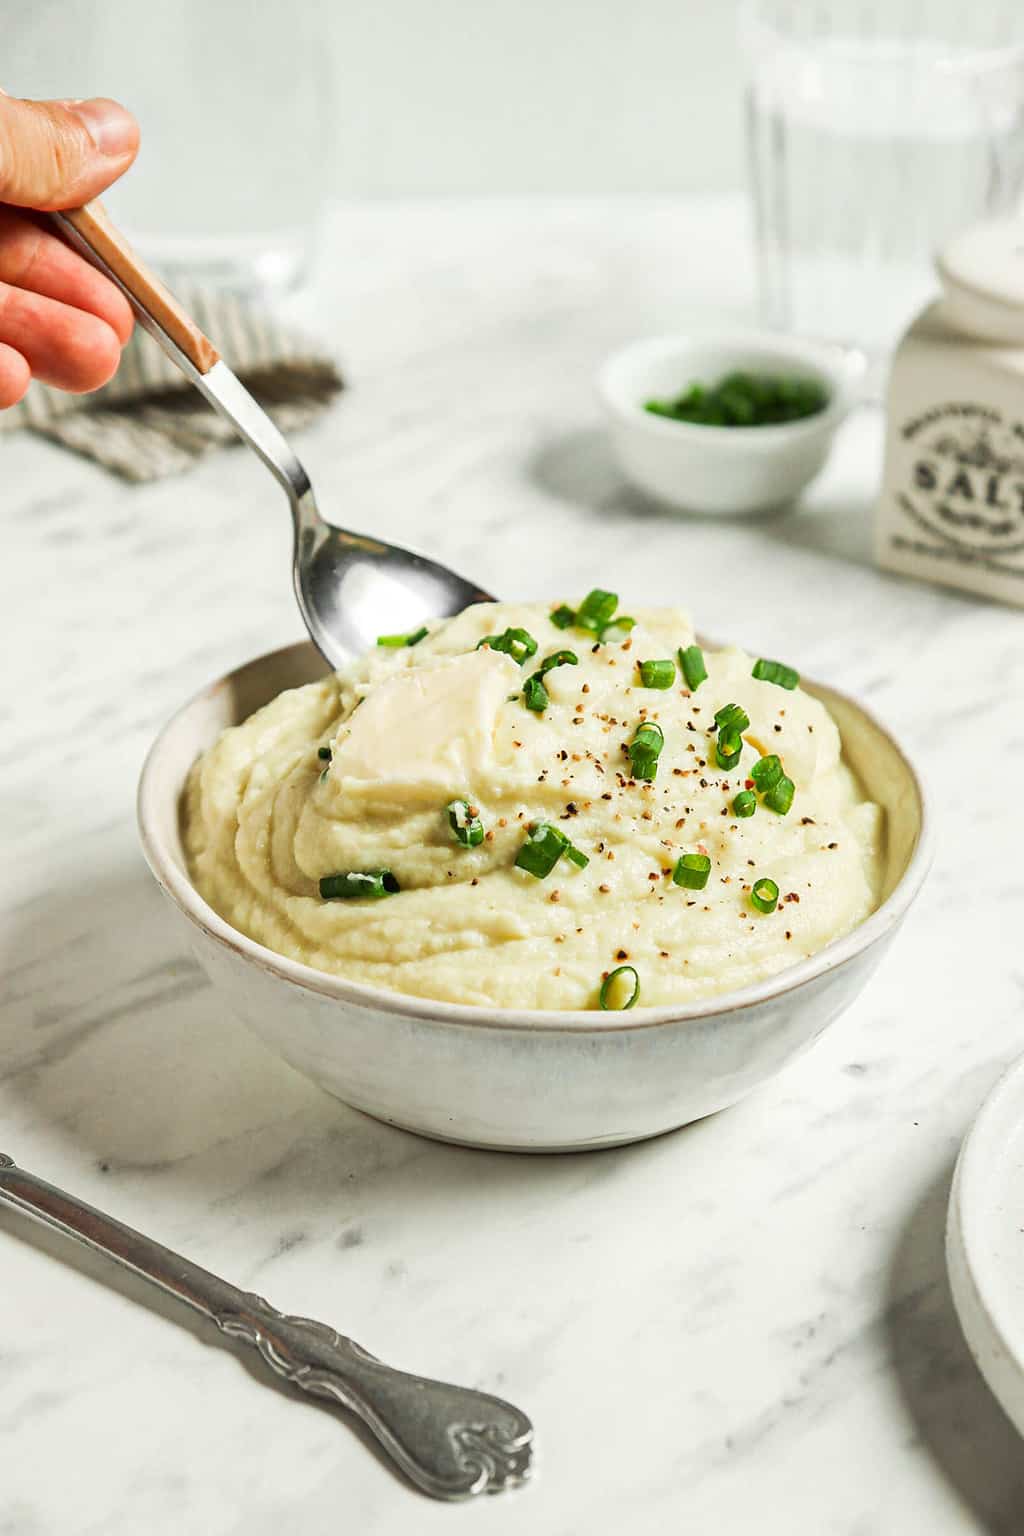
452 1442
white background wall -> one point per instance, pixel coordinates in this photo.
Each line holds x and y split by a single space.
536 95
428 96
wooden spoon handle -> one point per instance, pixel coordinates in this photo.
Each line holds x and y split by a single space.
90 228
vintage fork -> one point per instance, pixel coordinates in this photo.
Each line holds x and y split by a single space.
452 1442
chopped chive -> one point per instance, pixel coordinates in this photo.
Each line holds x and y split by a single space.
780 796
645 749
517 643
775 672
595 616
692 663
745 803
595 611
766 772
535 695
465 823
559 659
411 639
744 399
765 895
608 985
728 747
357 883
657 674
324 754
732 718
692 871
543 848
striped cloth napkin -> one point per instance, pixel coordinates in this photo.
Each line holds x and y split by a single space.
149 422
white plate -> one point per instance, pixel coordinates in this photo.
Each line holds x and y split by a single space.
985 1241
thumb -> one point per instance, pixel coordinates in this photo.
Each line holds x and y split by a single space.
59 154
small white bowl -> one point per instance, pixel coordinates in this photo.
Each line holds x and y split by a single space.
721 470
530 1081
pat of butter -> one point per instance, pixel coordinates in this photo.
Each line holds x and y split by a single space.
427 730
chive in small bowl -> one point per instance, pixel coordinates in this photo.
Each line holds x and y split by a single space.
718 440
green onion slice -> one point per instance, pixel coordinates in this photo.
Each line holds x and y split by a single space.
324 754
595 616
517 643
780 796
559 659
645 749
465 823
396 640
358 882
765 895
691 662
535 695
766 772
745 399
611 984
745 803
657 674
543 848
728 748
692 871
595 611
732 718
775 672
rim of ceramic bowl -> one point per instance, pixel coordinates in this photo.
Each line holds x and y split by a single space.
984 1312
173 879
843 371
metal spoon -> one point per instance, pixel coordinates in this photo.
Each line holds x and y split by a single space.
349 587
452 1442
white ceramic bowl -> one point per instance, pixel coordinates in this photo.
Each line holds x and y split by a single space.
983 1244
721 470
517 1079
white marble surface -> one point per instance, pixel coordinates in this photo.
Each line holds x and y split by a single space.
742 1326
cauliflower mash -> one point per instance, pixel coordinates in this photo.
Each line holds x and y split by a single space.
537 807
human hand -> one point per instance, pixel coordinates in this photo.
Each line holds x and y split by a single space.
60 320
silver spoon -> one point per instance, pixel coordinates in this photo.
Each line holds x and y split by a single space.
349 587
452 1442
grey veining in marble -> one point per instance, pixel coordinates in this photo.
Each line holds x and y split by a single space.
768 1284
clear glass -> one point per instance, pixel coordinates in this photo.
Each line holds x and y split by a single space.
874 131
234 103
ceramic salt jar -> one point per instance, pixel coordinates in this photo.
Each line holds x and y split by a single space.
952 502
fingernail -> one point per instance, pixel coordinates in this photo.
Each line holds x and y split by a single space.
112 129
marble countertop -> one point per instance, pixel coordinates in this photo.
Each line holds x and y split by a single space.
742 1326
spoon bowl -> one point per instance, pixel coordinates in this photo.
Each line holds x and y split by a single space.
348 587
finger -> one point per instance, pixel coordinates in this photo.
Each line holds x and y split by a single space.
61 345
37 260
15 376
59 154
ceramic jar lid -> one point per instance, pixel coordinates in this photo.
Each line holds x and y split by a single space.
982 272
